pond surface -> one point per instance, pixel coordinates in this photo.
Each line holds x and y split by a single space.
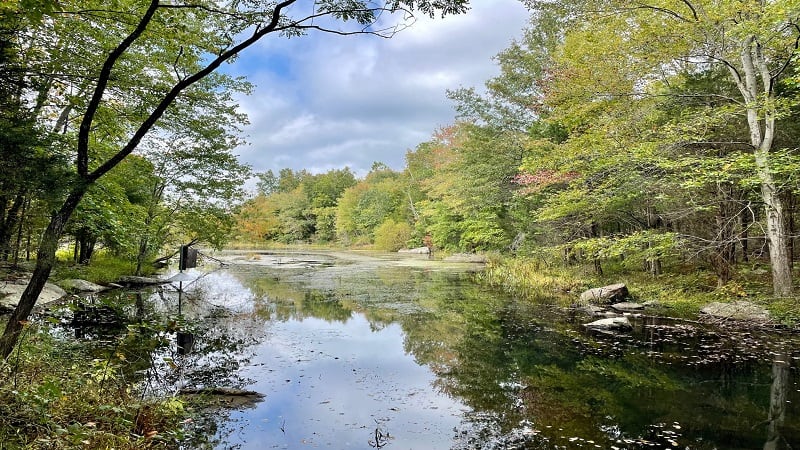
370 351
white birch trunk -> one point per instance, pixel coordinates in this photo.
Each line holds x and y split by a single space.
761 137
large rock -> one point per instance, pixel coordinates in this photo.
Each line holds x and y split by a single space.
738 310
10 294
610 324
74 286
606 294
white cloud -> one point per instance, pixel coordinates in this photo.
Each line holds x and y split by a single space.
324 102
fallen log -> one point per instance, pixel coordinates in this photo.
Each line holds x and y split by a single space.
231 392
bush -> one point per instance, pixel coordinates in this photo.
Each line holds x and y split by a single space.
54 394
391 236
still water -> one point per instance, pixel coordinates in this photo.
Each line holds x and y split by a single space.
376 351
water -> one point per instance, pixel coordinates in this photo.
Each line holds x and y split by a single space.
371 351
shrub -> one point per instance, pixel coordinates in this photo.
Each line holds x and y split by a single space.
391 236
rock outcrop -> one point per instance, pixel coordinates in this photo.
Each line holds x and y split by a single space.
738 310
627 306
10 293
612 293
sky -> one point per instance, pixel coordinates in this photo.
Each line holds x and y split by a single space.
325 102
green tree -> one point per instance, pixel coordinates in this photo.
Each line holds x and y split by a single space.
267 182
753 41
368 204
323 190
197 184
466 174
391 236
180 47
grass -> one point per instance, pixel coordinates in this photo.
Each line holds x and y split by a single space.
104 268
680 292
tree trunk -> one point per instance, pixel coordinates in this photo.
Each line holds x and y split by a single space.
790 202
45 259
86 248
654 222
776 234
761 113
723 254
744 225
18 243
7 226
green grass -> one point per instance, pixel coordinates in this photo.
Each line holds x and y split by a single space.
680 292
104 268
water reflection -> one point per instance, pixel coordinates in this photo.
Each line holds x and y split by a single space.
365 352
777 401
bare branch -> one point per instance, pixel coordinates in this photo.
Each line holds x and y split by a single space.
691 7
663 10
791 55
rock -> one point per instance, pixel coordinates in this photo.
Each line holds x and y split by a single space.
606 294
75 285
417 251
610 324
139 281
590 310
11 293
738 310
465 258
627 306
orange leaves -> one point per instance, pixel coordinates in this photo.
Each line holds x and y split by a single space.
541 179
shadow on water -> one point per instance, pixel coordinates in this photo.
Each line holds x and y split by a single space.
368 353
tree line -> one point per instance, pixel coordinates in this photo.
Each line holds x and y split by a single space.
650 135
642 135
117 123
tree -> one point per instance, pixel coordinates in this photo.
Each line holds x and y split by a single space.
466 174
368 204
185 45
196 184
267 182
755 42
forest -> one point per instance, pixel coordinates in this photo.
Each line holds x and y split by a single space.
651 143
660 138
653 138
650 138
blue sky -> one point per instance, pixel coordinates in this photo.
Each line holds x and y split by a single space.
324 102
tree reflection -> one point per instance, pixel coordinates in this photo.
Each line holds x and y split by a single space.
525 367
778 397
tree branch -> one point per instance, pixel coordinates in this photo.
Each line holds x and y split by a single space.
790 58
102 82
170 97
694 11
